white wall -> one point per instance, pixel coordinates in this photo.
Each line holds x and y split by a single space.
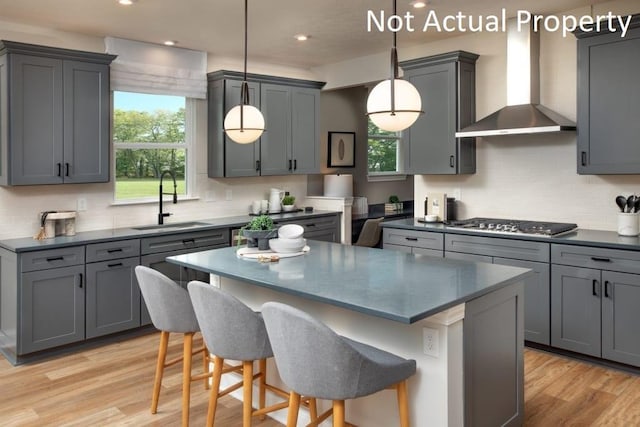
528 177
19 206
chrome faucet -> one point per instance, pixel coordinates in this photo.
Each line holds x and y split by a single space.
162 215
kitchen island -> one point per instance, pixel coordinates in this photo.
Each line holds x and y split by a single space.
461 321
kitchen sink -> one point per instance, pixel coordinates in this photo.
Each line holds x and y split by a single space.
175 226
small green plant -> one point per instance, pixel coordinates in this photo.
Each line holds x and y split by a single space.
394 199
288 200
262 222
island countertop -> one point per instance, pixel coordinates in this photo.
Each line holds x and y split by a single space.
393 285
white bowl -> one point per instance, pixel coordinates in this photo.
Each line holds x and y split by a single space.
287 245
431 218
290 231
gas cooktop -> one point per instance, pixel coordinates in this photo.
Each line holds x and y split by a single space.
513 226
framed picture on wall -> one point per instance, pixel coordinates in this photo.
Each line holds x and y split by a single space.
342 150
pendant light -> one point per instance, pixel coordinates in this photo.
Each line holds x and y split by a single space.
394 104
244 123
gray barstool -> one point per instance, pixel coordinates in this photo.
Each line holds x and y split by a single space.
171 311
315 361
233 331
370 234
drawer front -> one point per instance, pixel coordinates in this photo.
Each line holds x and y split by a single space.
416 239
603 259
113 250
504 248
428 252
311 224
52 258
177 242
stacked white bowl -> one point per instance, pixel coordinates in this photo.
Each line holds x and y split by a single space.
289 239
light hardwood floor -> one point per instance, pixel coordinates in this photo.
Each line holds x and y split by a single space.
111 385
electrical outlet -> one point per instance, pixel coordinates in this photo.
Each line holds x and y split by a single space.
431 342
228 195
81 204
210 196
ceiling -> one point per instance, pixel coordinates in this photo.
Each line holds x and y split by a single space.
338 28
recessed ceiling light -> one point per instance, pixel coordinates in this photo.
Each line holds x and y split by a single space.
126 2
171 43
419 4
302 37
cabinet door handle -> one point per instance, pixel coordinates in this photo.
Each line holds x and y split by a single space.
290 164
59 169
412 239
583 158
606 289
66 169
81 280
595 258
257 165
594 285
114 250
295 164
451 161
188 241
55 258
117 264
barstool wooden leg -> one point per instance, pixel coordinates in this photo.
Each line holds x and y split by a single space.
215 389
162 356
262 386
294 407
338 413
206 359
247 392
403 403
313 408
186 376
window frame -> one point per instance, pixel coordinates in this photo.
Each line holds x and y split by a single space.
398 174
190 126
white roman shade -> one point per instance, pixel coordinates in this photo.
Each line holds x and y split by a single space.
150 68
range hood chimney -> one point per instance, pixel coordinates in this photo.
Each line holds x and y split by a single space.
523 113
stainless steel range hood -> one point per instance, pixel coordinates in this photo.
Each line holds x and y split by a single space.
523 113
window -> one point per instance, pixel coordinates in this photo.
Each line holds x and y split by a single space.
151 134
383 151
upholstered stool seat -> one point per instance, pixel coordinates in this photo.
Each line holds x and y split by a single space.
171 311
315 361
370 234
233 331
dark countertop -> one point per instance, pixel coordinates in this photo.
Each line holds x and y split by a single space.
388 284
25 244
582 237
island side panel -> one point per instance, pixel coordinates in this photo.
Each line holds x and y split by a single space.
494 358
8 304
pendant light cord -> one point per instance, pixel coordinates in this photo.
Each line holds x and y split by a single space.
394 67
244 88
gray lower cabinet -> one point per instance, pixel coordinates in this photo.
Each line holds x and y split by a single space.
67 94
415 242
532 255
52 302
113 294
290 144
446 84
324 228
594 309
608 99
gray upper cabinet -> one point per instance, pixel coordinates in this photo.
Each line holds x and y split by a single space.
608 101
290 143
54 115
446 84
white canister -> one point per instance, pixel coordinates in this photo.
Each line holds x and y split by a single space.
255 207
628 224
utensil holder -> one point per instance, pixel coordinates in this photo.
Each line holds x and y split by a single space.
628 224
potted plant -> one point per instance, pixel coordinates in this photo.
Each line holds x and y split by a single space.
258 232
288 203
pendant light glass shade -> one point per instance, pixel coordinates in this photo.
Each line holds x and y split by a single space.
244 123
394 104
394 118
252 126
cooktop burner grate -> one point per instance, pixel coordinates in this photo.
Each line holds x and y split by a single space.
513 226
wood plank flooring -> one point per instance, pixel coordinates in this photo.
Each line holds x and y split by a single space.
111 386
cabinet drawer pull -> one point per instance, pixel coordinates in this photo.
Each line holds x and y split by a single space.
114 250
295 164
311 225
66 169
55 258
290 165
451 161
583 158
412 239
595 258
81 280
59 169
117 264
188 241
606 288
593 287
